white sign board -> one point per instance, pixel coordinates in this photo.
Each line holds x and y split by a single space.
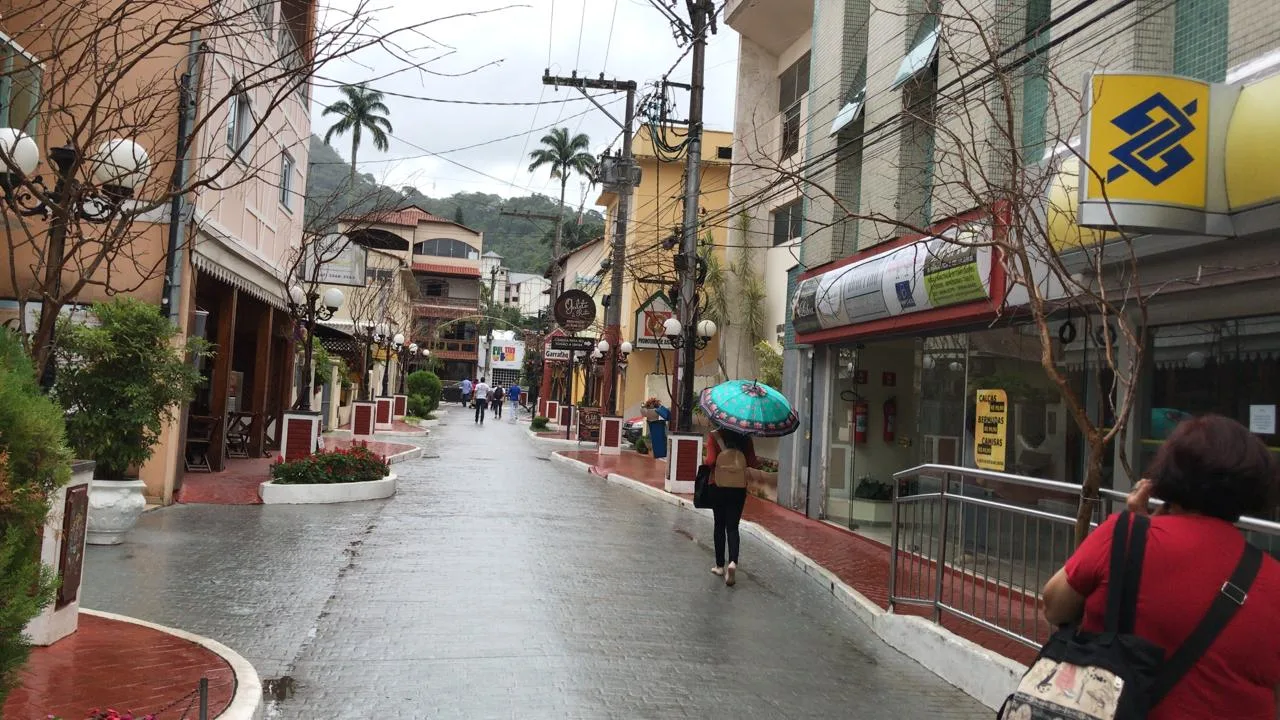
506 355
1262 419
341 261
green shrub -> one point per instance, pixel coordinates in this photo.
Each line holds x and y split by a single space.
539 423
419 406
34 462
642 445
355 464
121 381
425 384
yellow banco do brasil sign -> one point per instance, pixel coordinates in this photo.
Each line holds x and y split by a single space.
1148 139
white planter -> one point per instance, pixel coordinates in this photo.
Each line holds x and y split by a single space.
273 494
114 508
876 513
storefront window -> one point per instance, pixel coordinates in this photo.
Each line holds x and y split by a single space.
1228 367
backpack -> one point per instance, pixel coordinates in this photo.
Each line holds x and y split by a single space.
731 466
497 393
1114 674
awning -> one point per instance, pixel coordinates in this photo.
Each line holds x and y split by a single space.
212 256
922 52
1253 158
447 270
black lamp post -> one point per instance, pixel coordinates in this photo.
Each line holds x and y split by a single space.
116 169
308 308
387 342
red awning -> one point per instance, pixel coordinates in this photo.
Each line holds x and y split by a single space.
447 270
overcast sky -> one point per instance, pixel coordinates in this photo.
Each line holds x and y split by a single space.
625 39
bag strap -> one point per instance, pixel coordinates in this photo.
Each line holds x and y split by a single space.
1230 598
719 440
1128 547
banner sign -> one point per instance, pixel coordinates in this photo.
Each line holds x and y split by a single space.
990 428
341 262
932 273
588 424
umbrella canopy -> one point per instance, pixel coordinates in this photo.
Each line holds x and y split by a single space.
749 407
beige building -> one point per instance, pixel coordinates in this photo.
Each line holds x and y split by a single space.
906 136
219 263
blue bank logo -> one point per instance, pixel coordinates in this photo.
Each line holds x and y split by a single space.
1156 129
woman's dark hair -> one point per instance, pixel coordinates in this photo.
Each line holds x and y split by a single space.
1214 466
735 440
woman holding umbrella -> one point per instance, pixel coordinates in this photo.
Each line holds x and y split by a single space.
739 409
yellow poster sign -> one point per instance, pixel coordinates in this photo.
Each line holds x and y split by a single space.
1148 140
990 429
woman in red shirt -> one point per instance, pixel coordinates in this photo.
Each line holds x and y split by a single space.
1209 472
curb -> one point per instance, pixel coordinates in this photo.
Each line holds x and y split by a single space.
328 493
986 676
406 455
559 442
246 700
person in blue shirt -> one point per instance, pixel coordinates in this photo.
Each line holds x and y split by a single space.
466 391
513 396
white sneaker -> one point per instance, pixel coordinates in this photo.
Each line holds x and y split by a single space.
730 571
717 570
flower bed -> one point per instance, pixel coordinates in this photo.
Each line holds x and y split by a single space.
355 464
349 475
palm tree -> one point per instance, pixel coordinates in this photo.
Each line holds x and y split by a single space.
565 155
362 110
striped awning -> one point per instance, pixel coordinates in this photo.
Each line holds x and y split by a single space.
215 258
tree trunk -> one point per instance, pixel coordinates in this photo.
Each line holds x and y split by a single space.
555 243
1089 489
355 144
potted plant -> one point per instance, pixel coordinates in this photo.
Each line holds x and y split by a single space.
119 379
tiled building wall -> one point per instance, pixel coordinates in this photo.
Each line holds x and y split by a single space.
887 40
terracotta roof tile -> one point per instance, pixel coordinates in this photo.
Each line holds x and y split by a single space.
450 270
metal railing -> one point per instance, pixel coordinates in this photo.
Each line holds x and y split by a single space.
979 545
452 302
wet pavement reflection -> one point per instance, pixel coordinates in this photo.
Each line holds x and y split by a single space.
497 584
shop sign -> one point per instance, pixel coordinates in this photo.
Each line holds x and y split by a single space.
507 354
990 428
588 424
932 273
1147 143
649 319
554 355
573 344
75 513
574 310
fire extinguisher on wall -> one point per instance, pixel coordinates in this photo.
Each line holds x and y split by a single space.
860 412
890 418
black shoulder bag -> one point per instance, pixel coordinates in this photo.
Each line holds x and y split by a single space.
1114 674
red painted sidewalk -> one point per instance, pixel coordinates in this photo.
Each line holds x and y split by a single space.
238 484
860 562
108 664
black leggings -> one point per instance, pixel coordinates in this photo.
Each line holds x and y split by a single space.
728 513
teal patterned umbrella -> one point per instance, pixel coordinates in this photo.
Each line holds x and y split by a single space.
749 407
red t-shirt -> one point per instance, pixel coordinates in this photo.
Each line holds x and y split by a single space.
1188 558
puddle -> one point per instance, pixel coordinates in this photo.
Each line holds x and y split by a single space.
278 689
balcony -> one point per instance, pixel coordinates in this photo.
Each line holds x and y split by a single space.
453 349
775 24
445 307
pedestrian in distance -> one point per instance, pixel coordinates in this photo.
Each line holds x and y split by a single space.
466 387
497 398
733 456
1208 473
513 396
481 392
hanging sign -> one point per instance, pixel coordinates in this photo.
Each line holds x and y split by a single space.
649 321
574 310
990 429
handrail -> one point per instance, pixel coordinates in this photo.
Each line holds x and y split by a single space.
983 560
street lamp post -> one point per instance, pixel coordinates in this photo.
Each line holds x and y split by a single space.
388 342
116 169
308 308
676 336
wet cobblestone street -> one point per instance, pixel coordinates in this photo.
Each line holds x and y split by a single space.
498 585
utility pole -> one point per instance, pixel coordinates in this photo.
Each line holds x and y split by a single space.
622 175
701 12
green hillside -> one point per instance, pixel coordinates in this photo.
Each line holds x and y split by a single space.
525 244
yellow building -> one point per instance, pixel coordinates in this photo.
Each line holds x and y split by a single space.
656 215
